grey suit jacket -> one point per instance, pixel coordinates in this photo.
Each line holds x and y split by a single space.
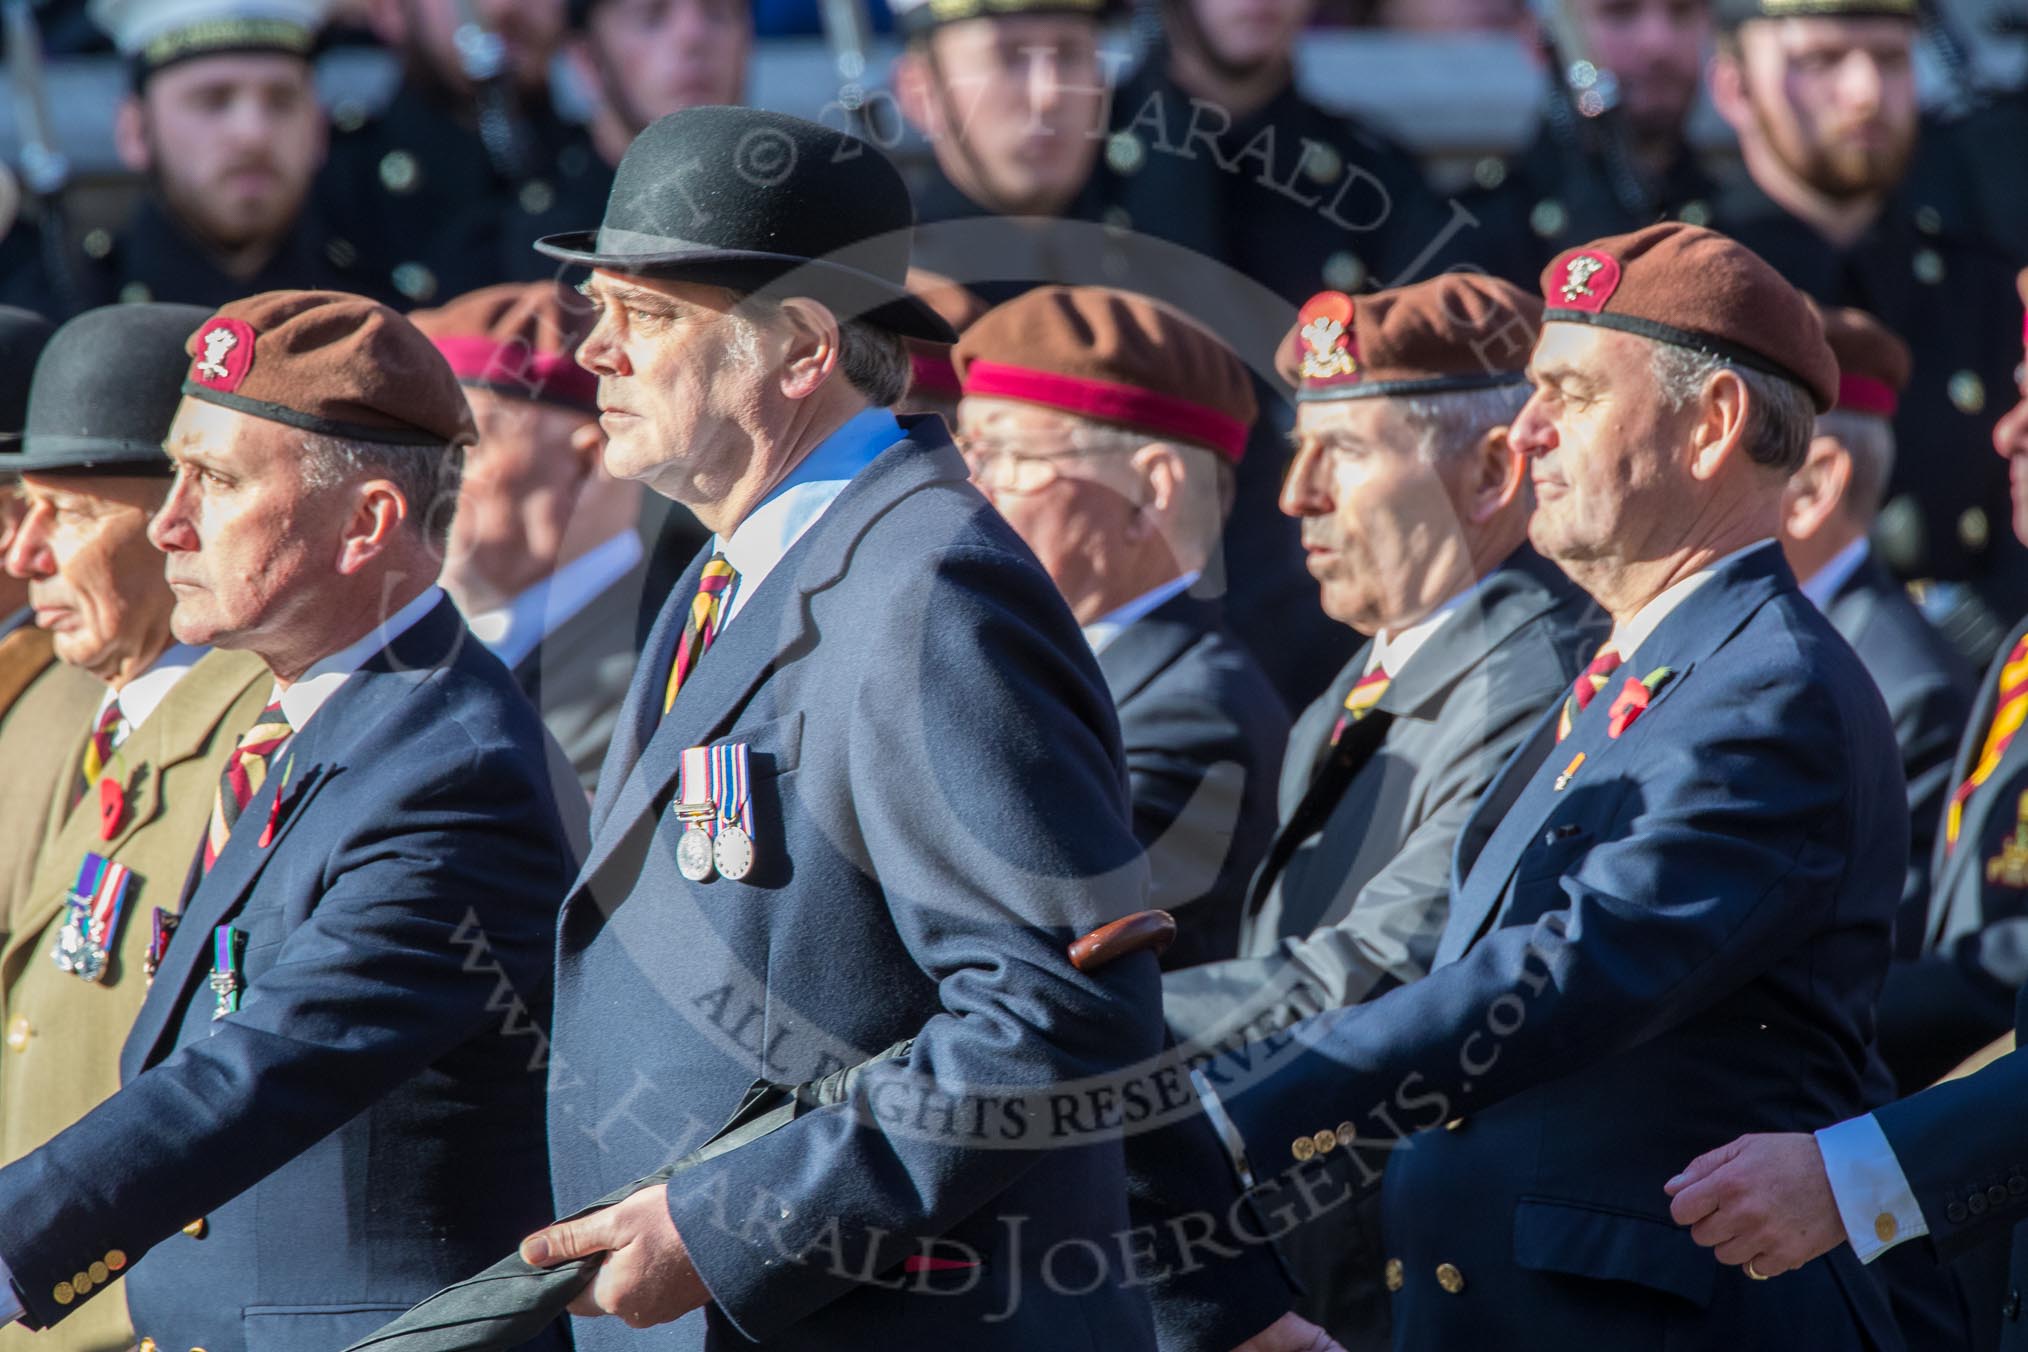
1354 892
577 676
1929 689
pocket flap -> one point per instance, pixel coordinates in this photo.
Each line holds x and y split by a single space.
1612 1246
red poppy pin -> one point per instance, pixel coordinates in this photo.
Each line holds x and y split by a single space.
1633 700
112 805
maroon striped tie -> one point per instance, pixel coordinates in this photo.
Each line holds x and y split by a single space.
246 769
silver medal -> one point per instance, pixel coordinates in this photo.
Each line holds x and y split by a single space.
733 851
693 854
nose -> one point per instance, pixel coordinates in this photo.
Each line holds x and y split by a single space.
1045 82
28 555
2010 434
1860 81
1532 433
1304 492
599 353
169 530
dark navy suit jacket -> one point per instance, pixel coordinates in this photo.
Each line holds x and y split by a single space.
1928 689
1958 993
1676 940
939 805
1203 729
368 1127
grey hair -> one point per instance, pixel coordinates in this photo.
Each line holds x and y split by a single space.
1869 440
428 476
1781 418
1449 424
1213 480
873 360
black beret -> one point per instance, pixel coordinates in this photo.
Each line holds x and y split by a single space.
106 391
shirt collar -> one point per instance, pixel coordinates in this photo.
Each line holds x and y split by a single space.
1101 632
772 529
1391 651
1825 583
301 701
513 630
141 696
1628 637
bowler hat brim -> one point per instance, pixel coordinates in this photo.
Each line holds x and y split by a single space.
86 455
852 292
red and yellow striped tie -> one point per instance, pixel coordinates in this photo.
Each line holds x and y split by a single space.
1359 700
706 613
98 750
2007 717
246 769
1585 688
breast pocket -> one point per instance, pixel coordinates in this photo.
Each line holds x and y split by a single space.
1579 1240
773 750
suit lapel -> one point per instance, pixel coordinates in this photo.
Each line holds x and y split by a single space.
1947 863
642 710
1147 647
1342 764
24 655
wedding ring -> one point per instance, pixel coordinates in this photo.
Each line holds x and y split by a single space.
1759 1277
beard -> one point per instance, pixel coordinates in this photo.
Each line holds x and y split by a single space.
1838 167
214 217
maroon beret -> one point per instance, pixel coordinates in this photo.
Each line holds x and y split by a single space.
1457 331
518 339
332 363
1115 357
1695 288
1873 364
960 307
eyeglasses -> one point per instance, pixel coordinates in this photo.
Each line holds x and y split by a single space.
1000 468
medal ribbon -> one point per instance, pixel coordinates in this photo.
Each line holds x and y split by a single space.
225 970
696 786
107 901
729 785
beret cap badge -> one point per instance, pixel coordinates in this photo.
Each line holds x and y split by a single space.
225 356
1589 280
1326 328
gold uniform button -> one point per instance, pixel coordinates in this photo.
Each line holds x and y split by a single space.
81 1282
1449 1278
115 1259
1885 1227
19 1030
145 1345
1303 1148
99 1273
1394 1274
1347 1133
63 1294
1325 1141
196 1228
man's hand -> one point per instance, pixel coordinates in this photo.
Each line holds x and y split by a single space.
646 1277
1290 1333
1763 1200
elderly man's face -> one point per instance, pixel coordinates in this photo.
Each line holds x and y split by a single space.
682 382
1834 99
2010 439
93 580
1382 530
656 57
514 502
1072 507
232 143
1020 105
242 529
1598 437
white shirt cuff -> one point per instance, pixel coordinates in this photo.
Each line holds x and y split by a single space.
1873 1196
10 1303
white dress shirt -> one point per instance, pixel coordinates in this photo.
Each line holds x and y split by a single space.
1823 584
1102 631
1867 1182
301 700
1628 637
1391 650
513 630
145 693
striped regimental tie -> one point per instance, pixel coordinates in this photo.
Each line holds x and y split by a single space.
1359 701
707 610
246 769
98 750
1585 688
2007 717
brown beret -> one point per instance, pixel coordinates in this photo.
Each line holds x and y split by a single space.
1115 357
1873 364
1457 331
518 339
1695 288
331 363
960 307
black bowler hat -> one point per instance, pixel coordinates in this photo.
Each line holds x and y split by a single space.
106 390
760 202
23 334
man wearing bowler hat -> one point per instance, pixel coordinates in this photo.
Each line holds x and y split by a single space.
330 1103
140 768
1669 915
865 786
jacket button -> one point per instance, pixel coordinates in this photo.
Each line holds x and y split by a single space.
64 1294
1976 1203
2010 1309
1955 1213
1996 1194
1325 1141
1303 1148
145 1345
1394 1274
2018 1185
19 1030
115 1259
1449 1278
1347 1134
197 1228
81 1282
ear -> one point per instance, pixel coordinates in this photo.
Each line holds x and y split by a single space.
1720 425
1725 79
130 135
813 347
378 512
1495 475
1160 468
912 79
1816 492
